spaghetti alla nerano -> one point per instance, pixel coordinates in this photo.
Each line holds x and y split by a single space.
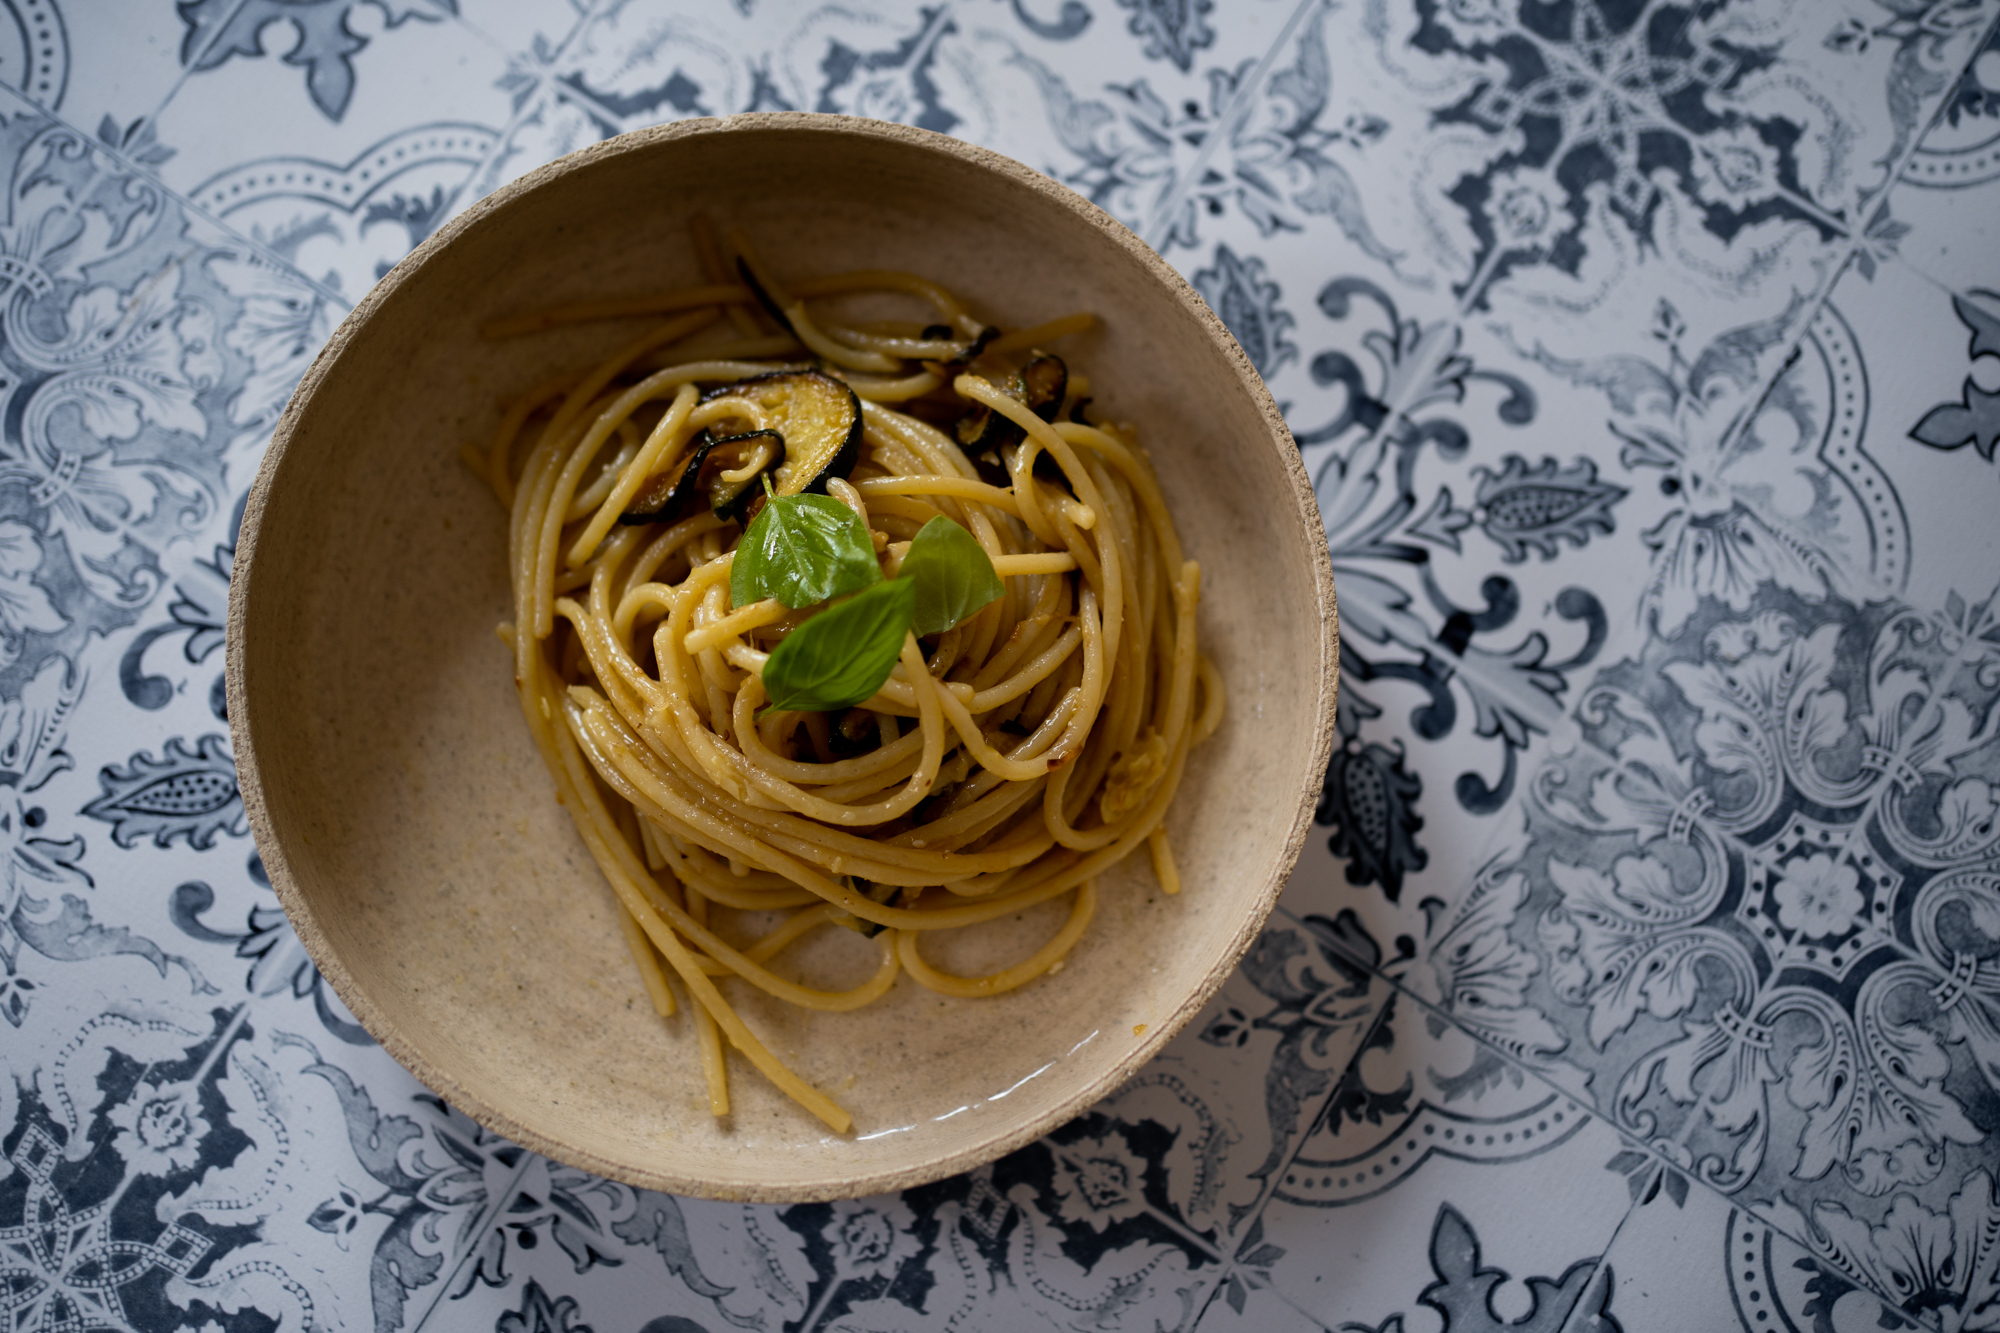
831 621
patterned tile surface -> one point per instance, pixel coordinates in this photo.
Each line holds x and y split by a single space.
1644 971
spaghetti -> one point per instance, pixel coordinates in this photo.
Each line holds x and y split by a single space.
1005 761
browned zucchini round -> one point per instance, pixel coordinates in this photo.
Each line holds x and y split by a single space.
1042 384
819 417
723 470
665 494
814 435
736 463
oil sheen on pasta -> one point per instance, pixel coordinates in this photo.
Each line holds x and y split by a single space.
1005 762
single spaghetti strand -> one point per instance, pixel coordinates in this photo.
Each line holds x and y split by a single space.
1008 978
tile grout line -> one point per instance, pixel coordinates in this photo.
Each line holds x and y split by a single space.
1601 1265
1589 1108
1308 1127
1928 278
1855 244
1382 1016
564 91
1312 1124
188 66
1225 124
1306 1314
485 1219
543 84
1987 38
262 250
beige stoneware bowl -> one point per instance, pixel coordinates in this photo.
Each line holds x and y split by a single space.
408 824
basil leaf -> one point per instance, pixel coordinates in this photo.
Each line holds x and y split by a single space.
953 575
842 655
802 549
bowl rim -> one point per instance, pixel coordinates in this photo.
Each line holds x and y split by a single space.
880 1179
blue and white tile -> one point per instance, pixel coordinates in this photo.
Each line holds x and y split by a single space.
203 1159
1680 350
1917 368
346 222
148 352
1371 855
998 73
1739 927
1481 578
1575 157
1414 1177
1269 1046
624 66
1033 79
1386 124
633 63
1478 142
342 81
107 78
558 1250
379 128
1687 1258
1361 364
1942 209
1843 91
1560 503
152 348
1576 248
1236 119
527 34
1740 461
1239 1308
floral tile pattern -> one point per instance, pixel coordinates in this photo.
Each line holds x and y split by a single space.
1944 199
1425 1145
1684 1258
1642 969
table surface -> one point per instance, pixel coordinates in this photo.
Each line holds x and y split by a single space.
1644 969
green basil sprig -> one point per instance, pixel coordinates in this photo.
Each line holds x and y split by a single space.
842 655
802 550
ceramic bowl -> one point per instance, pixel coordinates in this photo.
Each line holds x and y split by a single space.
407 822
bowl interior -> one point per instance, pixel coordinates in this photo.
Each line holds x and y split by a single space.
406 817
